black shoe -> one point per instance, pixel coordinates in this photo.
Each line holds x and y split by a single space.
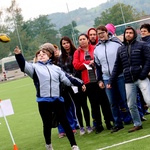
77 127
143 119
116 129
147 113
129 122
109 126
135 128
99 129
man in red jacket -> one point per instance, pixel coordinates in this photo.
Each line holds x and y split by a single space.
92 34
93 39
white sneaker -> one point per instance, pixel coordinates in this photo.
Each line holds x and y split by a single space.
89 130
82 131
49 147
75 147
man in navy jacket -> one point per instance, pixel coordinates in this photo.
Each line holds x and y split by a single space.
133 58
145 32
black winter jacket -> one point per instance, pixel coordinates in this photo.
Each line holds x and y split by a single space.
134 60
147 40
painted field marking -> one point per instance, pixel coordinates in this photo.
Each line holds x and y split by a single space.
121 143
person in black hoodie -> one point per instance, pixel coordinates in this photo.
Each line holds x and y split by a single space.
133 58
145 33
145 36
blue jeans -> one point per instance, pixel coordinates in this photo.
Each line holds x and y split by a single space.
139 104
131 91
117 88
71 121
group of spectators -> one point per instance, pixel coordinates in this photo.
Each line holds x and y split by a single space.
112 74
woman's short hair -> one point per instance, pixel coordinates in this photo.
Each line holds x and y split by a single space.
47 48
146 26
44 51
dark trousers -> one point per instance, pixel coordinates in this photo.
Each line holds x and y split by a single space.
97 98
45 110
68 96
105 106
80 101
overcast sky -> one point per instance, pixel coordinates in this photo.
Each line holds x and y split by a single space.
34 8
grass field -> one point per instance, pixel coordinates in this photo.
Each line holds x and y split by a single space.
26 125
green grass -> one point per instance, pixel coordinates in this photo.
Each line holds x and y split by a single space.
26 125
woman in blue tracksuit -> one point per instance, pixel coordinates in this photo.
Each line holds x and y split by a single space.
47 77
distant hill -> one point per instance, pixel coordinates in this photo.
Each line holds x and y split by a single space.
85 17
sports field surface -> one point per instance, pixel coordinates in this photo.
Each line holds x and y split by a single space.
26 126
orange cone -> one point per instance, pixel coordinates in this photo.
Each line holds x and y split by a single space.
15 147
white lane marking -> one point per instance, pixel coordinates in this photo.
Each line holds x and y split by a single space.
121 143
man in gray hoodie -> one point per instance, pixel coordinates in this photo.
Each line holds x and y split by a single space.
104 56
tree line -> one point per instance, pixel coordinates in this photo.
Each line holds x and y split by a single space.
29 35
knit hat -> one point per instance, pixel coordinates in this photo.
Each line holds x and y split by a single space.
4 38
48 46
111 28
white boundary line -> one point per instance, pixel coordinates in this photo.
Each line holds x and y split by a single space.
107 147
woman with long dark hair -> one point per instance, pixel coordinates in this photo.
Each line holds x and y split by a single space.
79 99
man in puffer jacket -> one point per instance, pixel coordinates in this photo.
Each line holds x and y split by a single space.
133 58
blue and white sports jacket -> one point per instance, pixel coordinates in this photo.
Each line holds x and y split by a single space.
46 77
